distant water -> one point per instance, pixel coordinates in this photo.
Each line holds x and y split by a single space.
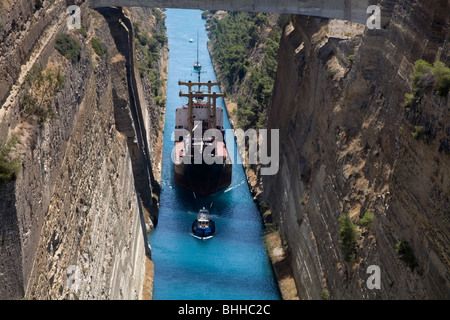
233 265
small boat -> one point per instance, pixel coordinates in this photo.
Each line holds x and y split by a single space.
191 40
203 227
197 65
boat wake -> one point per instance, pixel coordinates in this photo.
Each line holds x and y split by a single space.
201 238
234 187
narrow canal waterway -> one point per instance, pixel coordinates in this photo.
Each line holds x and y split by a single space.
233 264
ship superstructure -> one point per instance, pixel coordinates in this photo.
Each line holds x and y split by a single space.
201 161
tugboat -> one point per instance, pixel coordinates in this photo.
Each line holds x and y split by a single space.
203 227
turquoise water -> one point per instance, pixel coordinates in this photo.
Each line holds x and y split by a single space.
233 264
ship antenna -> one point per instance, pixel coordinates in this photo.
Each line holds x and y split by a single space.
198 63
197 46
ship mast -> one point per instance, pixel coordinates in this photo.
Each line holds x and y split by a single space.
197 65
200 95
191 95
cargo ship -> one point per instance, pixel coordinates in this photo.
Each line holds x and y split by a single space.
191 170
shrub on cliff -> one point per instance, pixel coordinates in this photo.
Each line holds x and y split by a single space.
410 99
98 46
160 20
419 133
421 67
263 206
161 38
44 86
284 20
148 49
442 73
325 294
68 47
206 14
406 254
9 166
427 75
349 236
148 53
367 220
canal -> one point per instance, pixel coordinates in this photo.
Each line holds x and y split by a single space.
233 265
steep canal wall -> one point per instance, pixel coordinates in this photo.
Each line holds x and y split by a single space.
349 146
240 91
355 157
73 220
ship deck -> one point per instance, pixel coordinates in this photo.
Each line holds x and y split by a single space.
180 151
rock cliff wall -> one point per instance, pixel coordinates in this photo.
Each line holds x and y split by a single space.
73 221
346 147
243 88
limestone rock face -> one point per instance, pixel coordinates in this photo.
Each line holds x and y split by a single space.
73 221
346 147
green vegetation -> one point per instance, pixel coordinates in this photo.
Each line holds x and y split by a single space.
409 100
160 22
442 73
421 67
263 206
68 47
284 20
44 85
271 227
160 101
367 220
233 37
9 167
207 13
331 74
351 57
419 133
98 46
83 32
406 254
161 38
325 294
349 236
427 75
148 48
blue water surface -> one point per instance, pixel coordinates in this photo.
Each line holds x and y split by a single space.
232 265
